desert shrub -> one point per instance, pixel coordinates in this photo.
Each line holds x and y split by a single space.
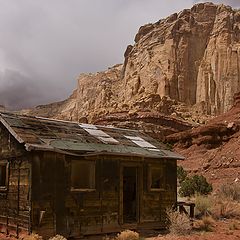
230 191
205 224
203 205
33 236
186 188
226 209
58 237
196 184
179 224
128 235
181 174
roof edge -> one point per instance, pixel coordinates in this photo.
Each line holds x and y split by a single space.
14 134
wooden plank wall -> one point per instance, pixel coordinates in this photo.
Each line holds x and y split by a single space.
76 213
155 203
14 201
43 193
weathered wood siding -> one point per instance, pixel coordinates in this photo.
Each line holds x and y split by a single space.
57 209
15 199
154 203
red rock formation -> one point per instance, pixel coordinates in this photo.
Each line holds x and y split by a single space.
185 65
213 149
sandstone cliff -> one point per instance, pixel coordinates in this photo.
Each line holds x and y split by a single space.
185 65
192 57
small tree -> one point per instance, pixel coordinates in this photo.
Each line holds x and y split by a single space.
201 186
196 184
181 174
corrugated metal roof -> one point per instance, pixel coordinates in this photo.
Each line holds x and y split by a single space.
55 135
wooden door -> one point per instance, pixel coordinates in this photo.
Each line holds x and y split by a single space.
130 192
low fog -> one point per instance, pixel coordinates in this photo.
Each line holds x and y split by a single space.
46 44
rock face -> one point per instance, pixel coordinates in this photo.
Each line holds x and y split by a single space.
213 149
191 57
185 65
59 110
98 94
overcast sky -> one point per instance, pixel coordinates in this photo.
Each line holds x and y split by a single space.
45 45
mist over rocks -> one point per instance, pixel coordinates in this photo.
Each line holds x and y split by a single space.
186 65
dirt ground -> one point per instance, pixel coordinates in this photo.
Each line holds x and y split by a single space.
221 231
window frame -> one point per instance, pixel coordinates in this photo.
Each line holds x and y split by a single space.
156 166
94 176
6 164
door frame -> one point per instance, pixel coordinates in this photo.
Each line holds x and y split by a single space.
139 190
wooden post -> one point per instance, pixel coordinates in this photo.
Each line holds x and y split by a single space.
192 210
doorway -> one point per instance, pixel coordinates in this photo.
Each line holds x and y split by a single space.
130 193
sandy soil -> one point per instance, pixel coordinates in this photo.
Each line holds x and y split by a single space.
221 231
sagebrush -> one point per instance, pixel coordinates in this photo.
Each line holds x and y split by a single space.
128 235
203 205
205 224
57 237
230 191
179 224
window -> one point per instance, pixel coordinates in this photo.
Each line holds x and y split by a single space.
3 176
156 178
82 175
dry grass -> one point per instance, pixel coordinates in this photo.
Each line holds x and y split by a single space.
180 224
234 226
203 205
124 235
128 235
226 209
205 224
58 237
230 191
33 236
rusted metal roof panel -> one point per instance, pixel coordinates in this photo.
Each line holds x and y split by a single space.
55 135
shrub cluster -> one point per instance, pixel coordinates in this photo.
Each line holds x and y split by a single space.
196 184
179 223
181 174
205 224
203 205
128 235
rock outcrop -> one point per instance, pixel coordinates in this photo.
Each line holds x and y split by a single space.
184 66
212 149
59 110
191 57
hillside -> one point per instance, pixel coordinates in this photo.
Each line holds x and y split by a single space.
213 149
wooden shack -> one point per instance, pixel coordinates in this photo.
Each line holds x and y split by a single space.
59 177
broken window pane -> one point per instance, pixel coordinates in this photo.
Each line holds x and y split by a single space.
82 175
3 175
156 177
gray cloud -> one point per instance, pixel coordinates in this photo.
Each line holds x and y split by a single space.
17 90
46 44
233 3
